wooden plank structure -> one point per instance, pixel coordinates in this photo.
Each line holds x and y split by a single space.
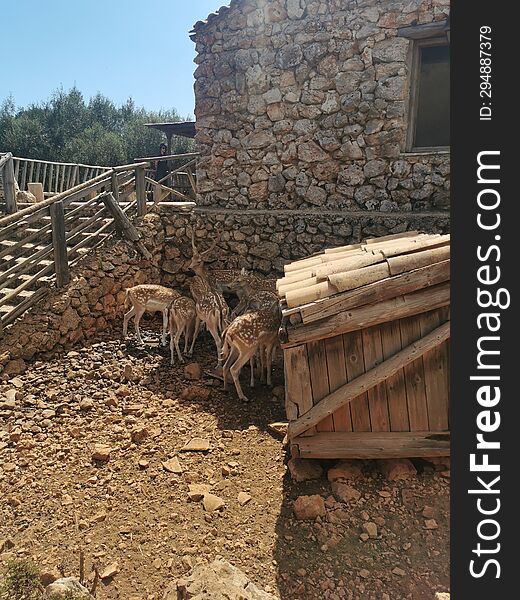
365 335
40 242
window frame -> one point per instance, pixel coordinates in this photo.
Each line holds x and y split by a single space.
421 37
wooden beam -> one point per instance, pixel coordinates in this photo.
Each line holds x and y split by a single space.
59 243
371 314
140 190
377 292
124 224
428 30
372 445
368 380
27 211
4 158
24 305
9 187
169 156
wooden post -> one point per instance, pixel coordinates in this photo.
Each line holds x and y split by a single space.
61 263
114 184
9 188
123 223
140 191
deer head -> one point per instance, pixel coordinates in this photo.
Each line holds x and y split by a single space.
198 258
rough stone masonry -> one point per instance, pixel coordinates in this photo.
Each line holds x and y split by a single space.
302 115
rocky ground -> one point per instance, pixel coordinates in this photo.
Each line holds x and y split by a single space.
94 461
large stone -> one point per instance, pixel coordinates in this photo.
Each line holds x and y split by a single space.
345 493
303 469
311 152
345 469
101 452
15 367
265 249
258 139
289 56
216 581
395 469
212 503
391 50
316 195
308 508
69 587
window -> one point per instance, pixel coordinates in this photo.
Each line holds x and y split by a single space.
430 114
429 106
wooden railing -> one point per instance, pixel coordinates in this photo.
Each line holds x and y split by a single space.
39 243
55 177
180 178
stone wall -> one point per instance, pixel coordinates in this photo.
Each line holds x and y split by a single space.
302 104
94 300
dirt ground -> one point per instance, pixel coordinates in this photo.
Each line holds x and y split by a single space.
56 501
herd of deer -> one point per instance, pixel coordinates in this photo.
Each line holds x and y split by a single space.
247 333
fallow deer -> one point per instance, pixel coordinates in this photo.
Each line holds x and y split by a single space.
148 298
258 301
210 306
182 322
246 335
245 286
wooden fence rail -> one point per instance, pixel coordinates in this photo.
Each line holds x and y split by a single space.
40 242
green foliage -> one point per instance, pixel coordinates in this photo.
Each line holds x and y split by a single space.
66 128
21 581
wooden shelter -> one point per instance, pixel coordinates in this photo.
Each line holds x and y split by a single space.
365 335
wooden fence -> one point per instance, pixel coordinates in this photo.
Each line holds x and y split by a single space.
40 242
55 177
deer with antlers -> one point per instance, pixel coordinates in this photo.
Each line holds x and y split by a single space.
210 306
182 319
148 298
248 334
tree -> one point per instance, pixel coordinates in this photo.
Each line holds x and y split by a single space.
68 129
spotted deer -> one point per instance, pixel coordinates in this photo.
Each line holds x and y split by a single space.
249 333
263 299
210 306
182 317
245 286
148 298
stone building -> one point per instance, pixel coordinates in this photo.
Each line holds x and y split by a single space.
322 121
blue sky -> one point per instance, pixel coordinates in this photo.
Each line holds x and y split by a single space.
121 48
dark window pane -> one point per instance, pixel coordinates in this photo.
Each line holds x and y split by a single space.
432 126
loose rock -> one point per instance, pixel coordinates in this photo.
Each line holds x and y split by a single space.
309 507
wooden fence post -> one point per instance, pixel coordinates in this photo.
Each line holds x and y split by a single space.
59 243
140 191
9 189
114 184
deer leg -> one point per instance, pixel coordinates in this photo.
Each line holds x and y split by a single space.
232 356
139 312
187 332
268 362
172 324
164 326
126 319
235 374
261 358
252 366
178 334
212 324
195 334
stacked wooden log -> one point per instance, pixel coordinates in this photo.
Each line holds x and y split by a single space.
361 274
